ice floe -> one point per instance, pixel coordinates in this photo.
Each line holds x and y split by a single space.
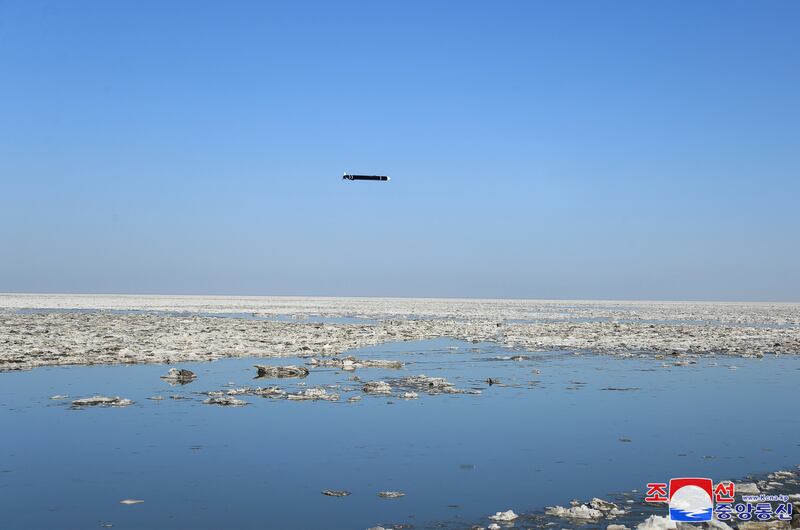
102 401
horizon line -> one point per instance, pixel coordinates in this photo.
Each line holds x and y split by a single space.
379 297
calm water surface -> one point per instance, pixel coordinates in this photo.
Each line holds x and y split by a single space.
551 432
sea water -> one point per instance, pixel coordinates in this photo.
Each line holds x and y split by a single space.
557 426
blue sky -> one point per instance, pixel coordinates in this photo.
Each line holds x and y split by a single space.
626 150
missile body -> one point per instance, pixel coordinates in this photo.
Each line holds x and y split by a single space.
382 178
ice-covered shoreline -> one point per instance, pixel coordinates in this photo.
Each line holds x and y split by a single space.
108 334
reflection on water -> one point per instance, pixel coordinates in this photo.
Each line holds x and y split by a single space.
554 426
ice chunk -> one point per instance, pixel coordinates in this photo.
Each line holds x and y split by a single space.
377 387
103 401
225 401
179 376
313 394
574 512
336 493
656 522
504 516
265 370
391 494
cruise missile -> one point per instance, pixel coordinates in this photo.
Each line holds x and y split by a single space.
381 178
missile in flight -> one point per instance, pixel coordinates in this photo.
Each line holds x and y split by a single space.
381 178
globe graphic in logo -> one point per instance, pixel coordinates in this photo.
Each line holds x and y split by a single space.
690 500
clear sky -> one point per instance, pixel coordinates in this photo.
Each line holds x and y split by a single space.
562 149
